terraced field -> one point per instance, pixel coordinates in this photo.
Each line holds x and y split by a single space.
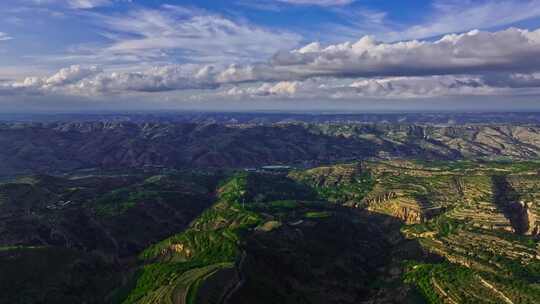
175 268
368 232
260 218
481 220
478 218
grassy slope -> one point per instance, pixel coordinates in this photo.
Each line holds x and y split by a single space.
469 263
337 184
481 262
174 268
475 254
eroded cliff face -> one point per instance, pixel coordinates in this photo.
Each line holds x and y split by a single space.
380 198
523 218
407 214
391 203
534 226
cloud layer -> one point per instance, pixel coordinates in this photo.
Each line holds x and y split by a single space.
473 63
167 54
472 52
187 34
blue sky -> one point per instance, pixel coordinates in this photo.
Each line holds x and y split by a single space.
290 54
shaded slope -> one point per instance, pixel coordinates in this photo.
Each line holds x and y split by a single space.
46 148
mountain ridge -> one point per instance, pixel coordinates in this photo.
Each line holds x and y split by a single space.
62 147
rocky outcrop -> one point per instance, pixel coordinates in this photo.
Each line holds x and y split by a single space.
177 249
407 215
523 219
380 198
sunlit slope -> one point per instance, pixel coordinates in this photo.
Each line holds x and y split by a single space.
480 217
174 268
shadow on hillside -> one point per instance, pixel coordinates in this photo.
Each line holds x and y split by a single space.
350 256
125 145
507 200
57 246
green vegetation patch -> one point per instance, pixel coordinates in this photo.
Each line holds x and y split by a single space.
162 282
176 266
318 214
443 225
119 201
275 206
337 184
437 282
359 187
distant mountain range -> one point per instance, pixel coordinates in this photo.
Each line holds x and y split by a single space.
65 146
441 118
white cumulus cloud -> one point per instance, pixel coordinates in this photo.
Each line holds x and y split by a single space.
472 52
281 89
475 63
